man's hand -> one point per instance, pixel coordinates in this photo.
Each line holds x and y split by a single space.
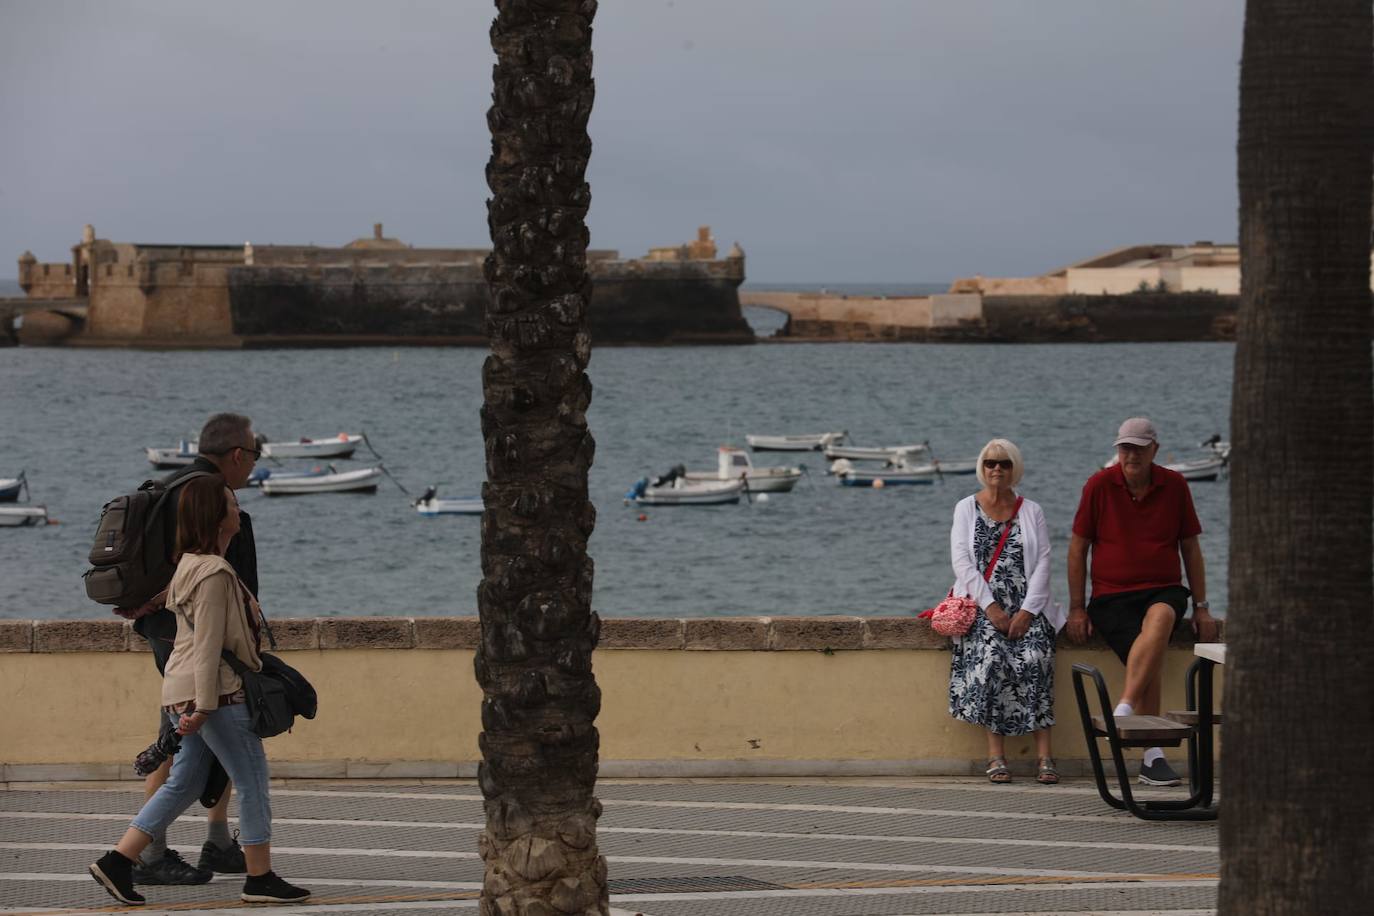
998 618
1204 625
1079 627
1020 624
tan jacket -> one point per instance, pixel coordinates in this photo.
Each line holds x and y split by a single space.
205 591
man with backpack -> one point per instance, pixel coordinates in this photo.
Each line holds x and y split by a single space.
227 447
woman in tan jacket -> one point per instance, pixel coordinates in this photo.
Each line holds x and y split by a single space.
203 697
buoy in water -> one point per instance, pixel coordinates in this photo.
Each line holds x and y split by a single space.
761 498
878 484
642 517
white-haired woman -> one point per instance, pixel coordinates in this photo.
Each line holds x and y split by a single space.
1002 672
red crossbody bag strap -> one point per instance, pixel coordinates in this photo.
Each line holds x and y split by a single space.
1006 532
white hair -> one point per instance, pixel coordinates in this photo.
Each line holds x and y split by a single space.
1000 448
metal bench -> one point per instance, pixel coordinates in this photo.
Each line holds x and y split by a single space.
1137 731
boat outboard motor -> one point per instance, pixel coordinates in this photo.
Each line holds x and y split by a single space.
429 494
676 471
636 491
840 467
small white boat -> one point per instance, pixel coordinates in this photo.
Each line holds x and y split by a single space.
23 516
1200 468
734 464
874 453
364 480
674 489
341 446
10 488
896 473
429 505
168 459
262 473
1210 467
807 442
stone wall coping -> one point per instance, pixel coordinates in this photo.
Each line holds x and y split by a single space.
749 634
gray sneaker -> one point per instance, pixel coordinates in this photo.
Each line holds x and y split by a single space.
1159 773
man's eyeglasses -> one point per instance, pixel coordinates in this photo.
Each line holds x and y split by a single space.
255 452
1003 463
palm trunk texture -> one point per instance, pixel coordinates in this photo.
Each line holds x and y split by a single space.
539 745
1297 825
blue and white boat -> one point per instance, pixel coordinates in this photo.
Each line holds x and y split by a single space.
169 459
674 489
894 474
263 472
10 488
430 505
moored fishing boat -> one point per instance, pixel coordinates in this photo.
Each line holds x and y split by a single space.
897 473
674 489
169 459
23 516
341 446
430 505
364 480
263 472
875 453
805 442
735 463
10 488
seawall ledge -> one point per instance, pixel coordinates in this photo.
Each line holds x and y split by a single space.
825 634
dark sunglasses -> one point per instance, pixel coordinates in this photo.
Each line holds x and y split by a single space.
1003 463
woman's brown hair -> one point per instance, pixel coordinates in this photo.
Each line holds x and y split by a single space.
202 507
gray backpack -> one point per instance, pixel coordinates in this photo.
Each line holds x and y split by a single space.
130 558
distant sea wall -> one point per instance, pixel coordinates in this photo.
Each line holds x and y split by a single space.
973 317
720 696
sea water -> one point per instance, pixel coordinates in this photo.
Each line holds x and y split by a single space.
77 422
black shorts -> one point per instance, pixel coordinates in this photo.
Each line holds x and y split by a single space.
1117 617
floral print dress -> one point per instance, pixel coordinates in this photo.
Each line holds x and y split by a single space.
1004 685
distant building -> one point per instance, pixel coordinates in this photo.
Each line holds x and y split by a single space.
1199 267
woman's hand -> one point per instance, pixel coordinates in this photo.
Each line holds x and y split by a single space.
1020 624
190 723
998 618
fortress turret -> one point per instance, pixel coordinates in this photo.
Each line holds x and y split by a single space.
27 263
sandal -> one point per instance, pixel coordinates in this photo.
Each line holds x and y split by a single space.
997 771
1046 773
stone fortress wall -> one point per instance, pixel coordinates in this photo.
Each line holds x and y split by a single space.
374 290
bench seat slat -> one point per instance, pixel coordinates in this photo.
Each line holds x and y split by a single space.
1145 731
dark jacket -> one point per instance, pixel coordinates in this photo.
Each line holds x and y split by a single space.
160 627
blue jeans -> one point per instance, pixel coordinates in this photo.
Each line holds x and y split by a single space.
227 734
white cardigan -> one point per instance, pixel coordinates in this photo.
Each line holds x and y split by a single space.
1035 539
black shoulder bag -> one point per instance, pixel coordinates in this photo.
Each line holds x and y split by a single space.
276 694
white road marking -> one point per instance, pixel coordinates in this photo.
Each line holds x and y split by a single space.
714 861
668 832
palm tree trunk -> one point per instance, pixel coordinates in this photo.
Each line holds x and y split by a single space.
1298 807
539 744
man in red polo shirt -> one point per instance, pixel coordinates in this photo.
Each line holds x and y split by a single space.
1137 519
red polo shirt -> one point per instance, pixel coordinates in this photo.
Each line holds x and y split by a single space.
1135 543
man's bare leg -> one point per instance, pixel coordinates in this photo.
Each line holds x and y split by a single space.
1146 660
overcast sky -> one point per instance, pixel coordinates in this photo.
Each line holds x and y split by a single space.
836 140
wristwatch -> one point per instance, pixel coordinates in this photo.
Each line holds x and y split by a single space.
1202 606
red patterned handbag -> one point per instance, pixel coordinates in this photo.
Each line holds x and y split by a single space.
954 615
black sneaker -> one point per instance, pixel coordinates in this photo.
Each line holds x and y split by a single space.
270 888
170 869
1159 773
226 861
114 872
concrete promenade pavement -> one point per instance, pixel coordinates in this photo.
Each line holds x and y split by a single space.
761 847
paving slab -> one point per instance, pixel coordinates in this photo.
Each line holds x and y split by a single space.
751 847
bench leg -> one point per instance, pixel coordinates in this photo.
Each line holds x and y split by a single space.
1181 810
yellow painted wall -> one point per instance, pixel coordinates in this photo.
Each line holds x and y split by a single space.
662 706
